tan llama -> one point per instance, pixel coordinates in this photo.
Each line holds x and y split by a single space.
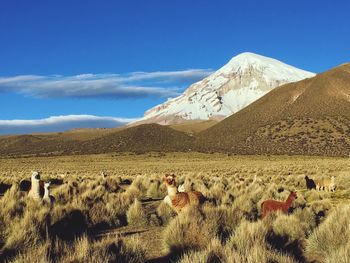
180 200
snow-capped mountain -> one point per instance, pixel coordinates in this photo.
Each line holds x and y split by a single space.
244 79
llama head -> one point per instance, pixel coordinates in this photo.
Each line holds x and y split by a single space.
169 179
47 185
35 176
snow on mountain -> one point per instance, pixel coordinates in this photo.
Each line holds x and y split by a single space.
244 79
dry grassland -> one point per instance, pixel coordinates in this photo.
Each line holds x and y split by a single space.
109 208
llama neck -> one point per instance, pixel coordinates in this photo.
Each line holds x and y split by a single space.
35 185
289 200
46 193
172 190
35 189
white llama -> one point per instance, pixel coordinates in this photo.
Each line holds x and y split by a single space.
48 199
34 191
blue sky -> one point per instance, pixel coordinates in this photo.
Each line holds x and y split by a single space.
120 58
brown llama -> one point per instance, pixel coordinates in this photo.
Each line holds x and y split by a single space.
270 206
179 200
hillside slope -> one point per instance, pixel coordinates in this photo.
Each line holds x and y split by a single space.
306 117
141 138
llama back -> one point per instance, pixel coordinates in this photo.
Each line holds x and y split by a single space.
319 183
325 183
180 200
271 204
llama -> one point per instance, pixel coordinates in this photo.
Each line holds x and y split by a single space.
332 186
310 184
326 184
36 190
179 200
320 184
180 189
270 206
48 199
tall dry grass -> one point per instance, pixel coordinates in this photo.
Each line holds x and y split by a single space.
226 229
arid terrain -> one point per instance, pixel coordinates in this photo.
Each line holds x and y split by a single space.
109 208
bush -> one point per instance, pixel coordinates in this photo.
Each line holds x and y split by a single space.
85 250
289 227
154 190
135 214
165 212
187 231
29 230
332 235
247 235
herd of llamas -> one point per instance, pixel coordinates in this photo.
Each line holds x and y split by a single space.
37 189
177 198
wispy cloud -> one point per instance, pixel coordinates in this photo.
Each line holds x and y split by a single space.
60 123
110 86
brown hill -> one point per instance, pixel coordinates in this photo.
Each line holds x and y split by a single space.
35 144
56 143
142 138
311 116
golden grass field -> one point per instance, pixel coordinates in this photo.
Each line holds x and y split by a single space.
109 208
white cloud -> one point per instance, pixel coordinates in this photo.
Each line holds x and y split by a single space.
110 86
60 123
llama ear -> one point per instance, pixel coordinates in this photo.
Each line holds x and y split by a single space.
173 175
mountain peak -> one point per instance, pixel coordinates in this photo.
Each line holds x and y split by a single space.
248 55
248 60
251 58
245 78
